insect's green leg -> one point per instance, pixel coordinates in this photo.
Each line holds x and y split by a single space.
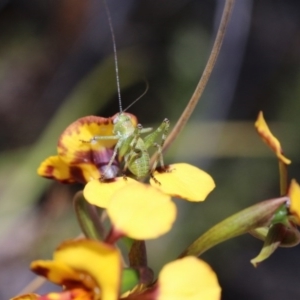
130 142
159 158
145 130
133 152
149 141
137 134
105 137
163 128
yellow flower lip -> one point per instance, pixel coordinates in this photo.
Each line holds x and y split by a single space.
184 181
267 136
141 211
198 282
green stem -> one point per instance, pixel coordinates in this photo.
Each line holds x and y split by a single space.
88 218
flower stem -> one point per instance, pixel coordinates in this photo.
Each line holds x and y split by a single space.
204 78
87 217
283 178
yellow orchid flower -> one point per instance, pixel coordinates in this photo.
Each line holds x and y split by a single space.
87 269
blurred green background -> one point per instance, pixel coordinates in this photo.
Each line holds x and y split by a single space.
56 66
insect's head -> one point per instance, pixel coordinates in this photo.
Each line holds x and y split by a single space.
124 122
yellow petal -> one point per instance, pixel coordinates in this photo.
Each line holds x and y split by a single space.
100 193
61 274
99 260
294 194
184 181
79 150
75 145
54 168
188 278
267 136
26 297
141 211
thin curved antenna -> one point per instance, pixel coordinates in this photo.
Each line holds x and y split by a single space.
141 96
204 78
115 53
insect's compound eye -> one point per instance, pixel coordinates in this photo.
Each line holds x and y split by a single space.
116 119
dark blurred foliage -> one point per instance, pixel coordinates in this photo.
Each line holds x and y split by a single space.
50 55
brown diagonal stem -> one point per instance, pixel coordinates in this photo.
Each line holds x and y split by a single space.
204 78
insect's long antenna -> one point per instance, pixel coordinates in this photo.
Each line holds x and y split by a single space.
141 96
115 53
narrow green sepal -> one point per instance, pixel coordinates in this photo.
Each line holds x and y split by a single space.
256 216
260 233
87 217
278 235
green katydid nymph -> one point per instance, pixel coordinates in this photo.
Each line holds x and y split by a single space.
131 147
